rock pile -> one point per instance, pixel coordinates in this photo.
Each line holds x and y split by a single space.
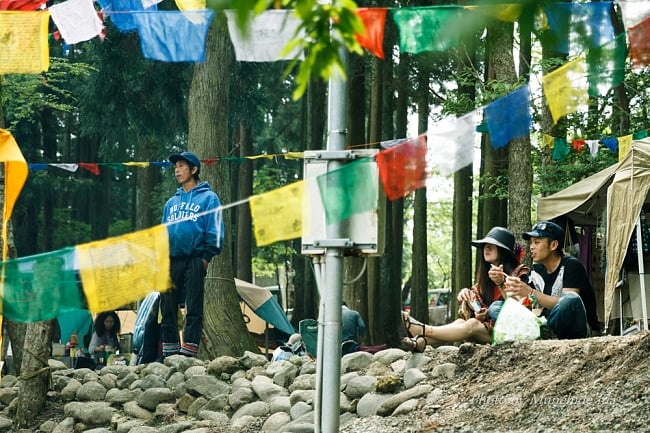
246 394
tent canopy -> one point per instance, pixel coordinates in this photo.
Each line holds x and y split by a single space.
583 202
264 304
621 190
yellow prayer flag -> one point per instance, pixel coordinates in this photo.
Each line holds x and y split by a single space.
548 141
508 12
566 88
136 164
23 42
190 5
124 269
624 144
15 175
294 155
277 215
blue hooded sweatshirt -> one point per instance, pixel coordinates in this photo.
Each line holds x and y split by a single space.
200 230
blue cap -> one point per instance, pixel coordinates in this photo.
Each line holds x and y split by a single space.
189 157
545 229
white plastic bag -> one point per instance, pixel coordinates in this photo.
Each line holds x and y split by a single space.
515 323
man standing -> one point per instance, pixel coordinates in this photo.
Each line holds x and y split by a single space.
195 228
353 329
558 283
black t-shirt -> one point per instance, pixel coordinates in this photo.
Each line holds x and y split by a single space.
575 277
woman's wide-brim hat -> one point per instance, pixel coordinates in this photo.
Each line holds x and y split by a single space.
500 237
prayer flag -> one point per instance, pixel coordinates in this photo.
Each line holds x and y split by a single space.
611 143
41 287
123 16
374 20
428 28
266 36
20 5
634 11
451 143
560 149
576 27
349 190
77 20
124 269
14 177
509 117
566 88
190 5
277 214
91 167
23 42
503 11
172 36
402 168
593 147
67 167
606 65
624 144
639 36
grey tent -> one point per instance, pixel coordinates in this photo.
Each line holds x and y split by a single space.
621 190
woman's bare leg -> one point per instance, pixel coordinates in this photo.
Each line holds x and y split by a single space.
459 330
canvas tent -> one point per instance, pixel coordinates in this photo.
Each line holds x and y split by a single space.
621 191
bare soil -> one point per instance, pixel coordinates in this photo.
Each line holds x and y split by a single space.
595 384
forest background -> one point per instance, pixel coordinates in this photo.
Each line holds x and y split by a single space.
102 102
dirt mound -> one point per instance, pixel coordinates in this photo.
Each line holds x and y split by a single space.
580 385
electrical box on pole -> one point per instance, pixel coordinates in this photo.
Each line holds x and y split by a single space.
364 231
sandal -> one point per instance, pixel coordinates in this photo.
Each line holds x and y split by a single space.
414 344
408 322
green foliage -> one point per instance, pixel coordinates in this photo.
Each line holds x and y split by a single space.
120 227
68 231
26 95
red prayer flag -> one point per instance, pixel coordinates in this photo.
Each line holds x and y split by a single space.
91 167
20 5
639 36
373 20
578 144
402 168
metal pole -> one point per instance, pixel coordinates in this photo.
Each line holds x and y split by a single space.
639 248
331 372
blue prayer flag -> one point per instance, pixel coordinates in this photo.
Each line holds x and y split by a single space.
509 117
578 26
173 36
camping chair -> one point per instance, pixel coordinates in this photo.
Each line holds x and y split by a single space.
308 329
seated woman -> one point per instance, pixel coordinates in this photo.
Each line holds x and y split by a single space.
480 305
106 335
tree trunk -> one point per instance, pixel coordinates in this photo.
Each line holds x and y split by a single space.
420 283
244 219
146 180
306 296
33 382
224 330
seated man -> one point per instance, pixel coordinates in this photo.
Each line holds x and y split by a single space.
558 284
353 330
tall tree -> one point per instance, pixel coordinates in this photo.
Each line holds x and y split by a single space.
224 331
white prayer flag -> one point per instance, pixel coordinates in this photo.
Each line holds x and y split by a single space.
265 37
634 12
77 20
451 143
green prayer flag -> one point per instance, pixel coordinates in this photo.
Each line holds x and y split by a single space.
349 190
429 28
606 65
640 134
40 287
